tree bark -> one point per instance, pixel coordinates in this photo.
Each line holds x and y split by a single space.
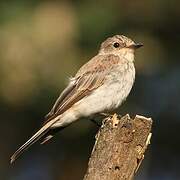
119 148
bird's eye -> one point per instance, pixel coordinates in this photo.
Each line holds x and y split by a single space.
116 44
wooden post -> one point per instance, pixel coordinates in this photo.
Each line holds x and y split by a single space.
119 148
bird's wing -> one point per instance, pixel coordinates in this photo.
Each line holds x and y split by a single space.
88 78
66 91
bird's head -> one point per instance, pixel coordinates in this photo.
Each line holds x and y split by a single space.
119 45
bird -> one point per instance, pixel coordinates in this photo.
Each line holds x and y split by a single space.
101 85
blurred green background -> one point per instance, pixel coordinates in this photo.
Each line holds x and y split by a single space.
43 43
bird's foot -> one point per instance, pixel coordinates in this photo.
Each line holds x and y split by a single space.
95 122
108 115
114 117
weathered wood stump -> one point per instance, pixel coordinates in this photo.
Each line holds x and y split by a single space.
119 148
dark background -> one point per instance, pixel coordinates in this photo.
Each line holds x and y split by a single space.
42 43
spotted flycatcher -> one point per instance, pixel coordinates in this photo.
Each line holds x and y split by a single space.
100 85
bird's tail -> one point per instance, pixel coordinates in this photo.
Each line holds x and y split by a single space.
37 136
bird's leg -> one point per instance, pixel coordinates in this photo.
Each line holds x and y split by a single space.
95 122
107 115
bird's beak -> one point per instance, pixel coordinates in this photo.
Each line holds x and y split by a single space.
136 45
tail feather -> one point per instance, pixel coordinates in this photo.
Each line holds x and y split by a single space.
46 139
50 134
37 136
